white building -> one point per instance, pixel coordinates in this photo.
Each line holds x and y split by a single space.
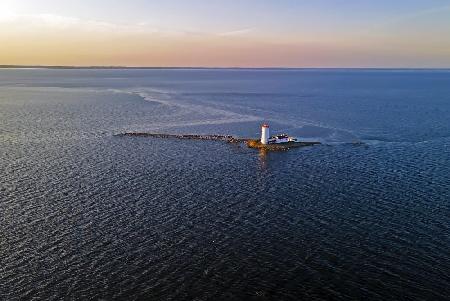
265 134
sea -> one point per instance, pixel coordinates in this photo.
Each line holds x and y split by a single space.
86 214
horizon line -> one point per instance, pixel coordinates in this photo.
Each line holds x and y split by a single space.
7 66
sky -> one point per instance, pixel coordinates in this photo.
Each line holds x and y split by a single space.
232 33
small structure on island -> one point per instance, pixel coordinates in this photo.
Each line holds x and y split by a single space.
277 139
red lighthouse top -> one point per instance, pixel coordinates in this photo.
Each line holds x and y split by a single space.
265 125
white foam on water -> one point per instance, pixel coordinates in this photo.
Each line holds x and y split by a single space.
209 115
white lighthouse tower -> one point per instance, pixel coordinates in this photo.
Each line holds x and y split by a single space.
265 133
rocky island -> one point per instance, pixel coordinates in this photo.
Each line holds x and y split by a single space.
274 143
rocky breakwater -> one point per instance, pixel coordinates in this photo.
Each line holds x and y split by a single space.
225 138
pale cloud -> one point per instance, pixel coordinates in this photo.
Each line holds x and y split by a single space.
11 23
37 22
239 32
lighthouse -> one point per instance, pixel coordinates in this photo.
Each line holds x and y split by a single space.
265 134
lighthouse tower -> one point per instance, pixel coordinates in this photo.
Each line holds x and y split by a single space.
265 134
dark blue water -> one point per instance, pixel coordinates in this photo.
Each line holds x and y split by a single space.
87 215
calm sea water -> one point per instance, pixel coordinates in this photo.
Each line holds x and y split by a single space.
87 215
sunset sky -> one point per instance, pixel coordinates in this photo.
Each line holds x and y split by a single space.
207 33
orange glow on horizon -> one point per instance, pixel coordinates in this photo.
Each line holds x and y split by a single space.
55 40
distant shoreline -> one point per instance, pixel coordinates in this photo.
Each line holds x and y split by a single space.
209 68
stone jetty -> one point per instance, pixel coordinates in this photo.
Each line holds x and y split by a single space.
226 138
